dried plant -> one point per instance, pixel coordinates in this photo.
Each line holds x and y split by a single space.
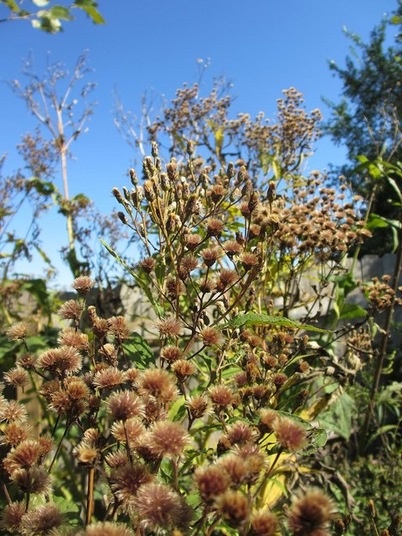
195 429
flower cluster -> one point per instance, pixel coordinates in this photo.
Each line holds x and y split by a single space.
191 430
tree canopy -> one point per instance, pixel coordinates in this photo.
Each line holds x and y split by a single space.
367 120
48 15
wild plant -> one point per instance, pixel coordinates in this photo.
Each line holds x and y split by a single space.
200 426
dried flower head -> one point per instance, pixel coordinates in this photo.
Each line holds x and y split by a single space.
60 361
310 514
108 378
160 508
148 264
167 439
192 241
263 523
33 480
86 454
12 411
11 517
17 377
126 481
118 327
129 432
215 227
159 384
109 353
23 456
83 285
74 338
235 467
14 433
42 520
211 255
71 310
240 432
171 353
226 279
197 406
183 369
211 482
18 331
71 399
210 336
221 396
169 327
123 405
290 434
234 507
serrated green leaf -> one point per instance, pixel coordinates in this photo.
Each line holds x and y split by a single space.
261 319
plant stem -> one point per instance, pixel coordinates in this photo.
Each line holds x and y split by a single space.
90 495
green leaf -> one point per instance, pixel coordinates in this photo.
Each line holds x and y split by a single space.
257 319
352 311
138 350
60 12
346 282
339 415
89 6
40 3
12 5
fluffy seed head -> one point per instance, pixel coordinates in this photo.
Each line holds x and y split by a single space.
289 434
167 439
310 514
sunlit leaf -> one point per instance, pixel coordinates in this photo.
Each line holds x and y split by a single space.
261 319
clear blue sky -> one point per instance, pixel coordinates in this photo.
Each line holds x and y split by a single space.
262 46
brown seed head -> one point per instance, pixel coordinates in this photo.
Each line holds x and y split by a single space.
159 384
211 481
11 517
159 507
169 327
215 227
171 353
42 520
16 377
108 378
33 480
263 523
183 369
234 507
18 331
210 336
310 514
71 310
123 405
167 439
289 434
60 361
83 285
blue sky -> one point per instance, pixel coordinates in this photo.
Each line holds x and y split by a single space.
261 46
